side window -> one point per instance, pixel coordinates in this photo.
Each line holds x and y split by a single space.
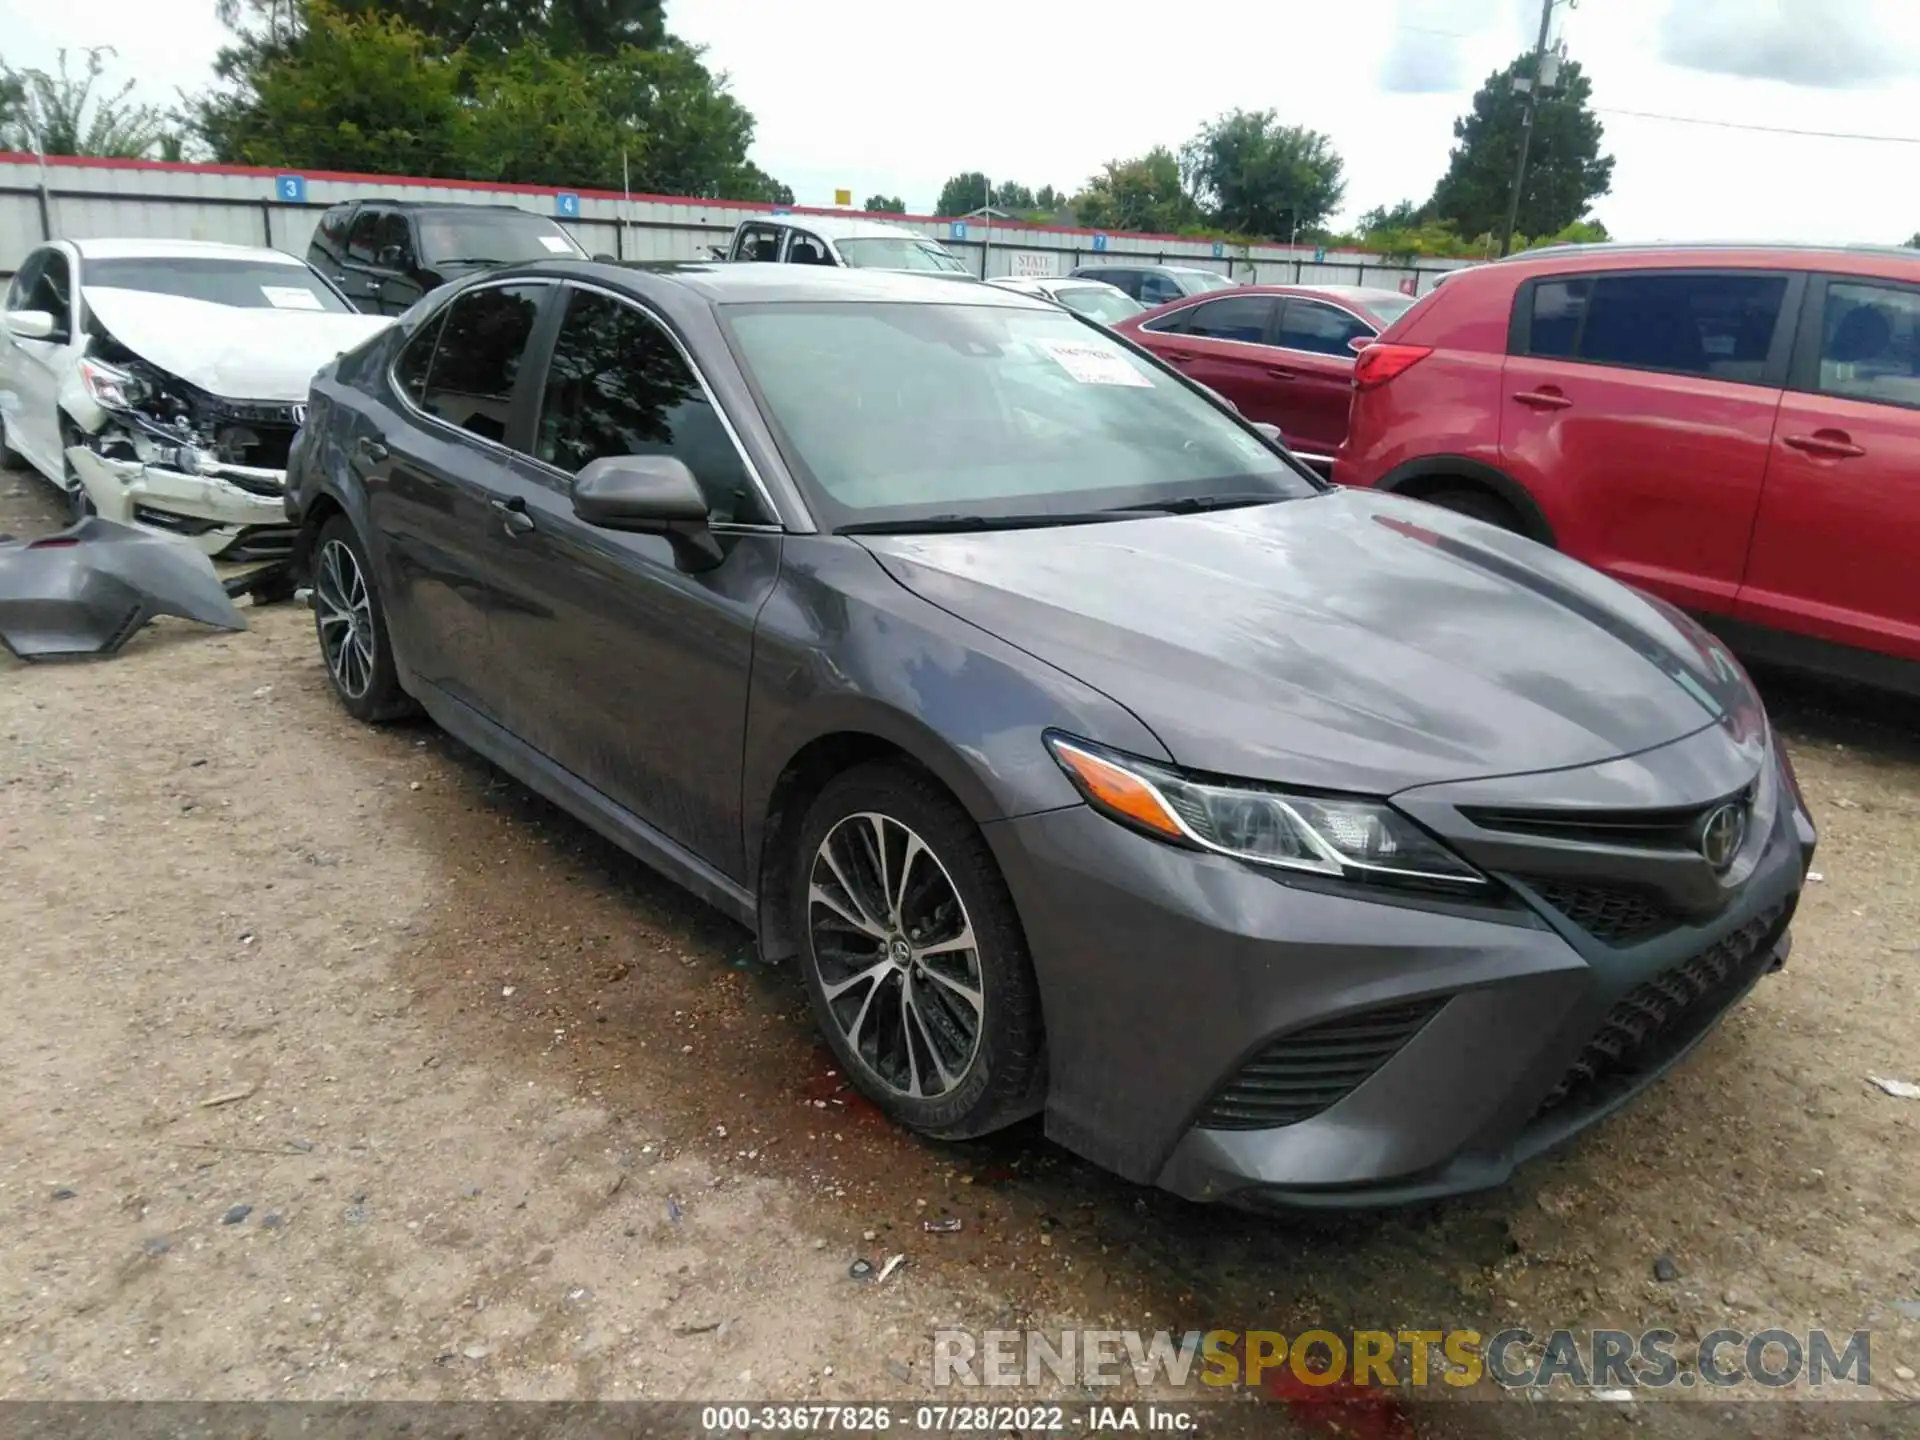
330 235
1238 318
410 368
1558 308
1309 325
363 240
1174 322
394 242
758 242
53 292
484 336
805 249
26 280
1712 324
1158 289
617 385
1870 343
1126 280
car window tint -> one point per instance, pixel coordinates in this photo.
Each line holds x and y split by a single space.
26 281
53 290
1158 289
393 235
1558 308
804 249
410 369
1710 324
1323 329
1243 317
484 336
1870 343
363 241
1174 322
618 385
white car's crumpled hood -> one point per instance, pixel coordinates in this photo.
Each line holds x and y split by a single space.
234 353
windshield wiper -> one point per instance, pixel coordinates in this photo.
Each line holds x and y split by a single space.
1195 504
951 524
474 260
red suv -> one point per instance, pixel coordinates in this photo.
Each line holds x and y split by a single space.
1736 430
1282 354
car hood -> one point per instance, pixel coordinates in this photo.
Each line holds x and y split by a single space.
235 353
1353 640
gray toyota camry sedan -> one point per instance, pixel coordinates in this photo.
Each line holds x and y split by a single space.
1089 756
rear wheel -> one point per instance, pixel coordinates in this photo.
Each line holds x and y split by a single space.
1478 505
914 957
351 624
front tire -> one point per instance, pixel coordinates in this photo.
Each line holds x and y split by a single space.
1480 505
351 624
914 957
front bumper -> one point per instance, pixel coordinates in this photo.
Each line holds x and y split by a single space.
1167 977
217 516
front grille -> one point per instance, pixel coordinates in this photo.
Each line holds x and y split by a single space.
1658 1016
1299 1075
1612 914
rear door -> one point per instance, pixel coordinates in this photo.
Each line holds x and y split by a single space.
1837 539
1315 374
438 487
394 280
1639 411
359 270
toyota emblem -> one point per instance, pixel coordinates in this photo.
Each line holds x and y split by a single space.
1722 833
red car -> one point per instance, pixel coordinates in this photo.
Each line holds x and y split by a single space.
1281 353
1736 430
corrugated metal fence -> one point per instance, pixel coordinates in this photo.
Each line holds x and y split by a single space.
66 198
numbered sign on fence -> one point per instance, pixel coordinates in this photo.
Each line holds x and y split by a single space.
291 188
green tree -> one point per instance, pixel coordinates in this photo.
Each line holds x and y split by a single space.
1145 193
963 193
1256 176
1913 241
885 205
1566 172
63 114
1049 199
484 27
1404 216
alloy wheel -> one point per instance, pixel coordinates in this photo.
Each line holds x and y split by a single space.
344 610
895 952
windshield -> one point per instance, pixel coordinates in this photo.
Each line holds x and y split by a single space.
447 237
898 411
1387 308
1099 302
906 252
244 284
1195 281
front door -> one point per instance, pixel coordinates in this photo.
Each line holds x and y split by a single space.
437 488
30 370
1837 537
620 665
394 278
1637 408
360 276
1224 345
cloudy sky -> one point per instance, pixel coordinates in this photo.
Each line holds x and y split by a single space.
873 95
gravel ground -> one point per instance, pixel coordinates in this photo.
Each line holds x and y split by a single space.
339 1066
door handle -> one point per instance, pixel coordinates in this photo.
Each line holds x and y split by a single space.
371 450
513 515
1543 399
1180 357
1828 444
1280 372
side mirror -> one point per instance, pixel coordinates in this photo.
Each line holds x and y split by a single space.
717 252
1272 432
648 495
31 324
1359 343
390 257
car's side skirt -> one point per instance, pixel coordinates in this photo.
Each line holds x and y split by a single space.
585 803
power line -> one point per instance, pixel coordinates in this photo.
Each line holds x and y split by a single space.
1762 129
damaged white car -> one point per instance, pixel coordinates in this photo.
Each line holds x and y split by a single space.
161 383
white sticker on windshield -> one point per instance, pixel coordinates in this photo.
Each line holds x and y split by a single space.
556 244
1092 363
291 297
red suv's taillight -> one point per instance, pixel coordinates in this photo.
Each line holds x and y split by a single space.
1377 364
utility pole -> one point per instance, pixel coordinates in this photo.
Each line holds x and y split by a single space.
1526 126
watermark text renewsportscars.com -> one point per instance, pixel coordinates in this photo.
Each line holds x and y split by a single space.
1772 1359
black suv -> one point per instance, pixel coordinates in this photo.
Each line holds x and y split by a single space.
386 254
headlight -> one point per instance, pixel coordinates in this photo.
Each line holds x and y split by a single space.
1351 838
110 388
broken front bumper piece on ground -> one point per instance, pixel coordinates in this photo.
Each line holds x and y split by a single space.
230 513
86 590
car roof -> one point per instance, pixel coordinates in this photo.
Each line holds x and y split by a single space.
843 227
720 282
1849 259
1029 284
181 250
1093 265
419 205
